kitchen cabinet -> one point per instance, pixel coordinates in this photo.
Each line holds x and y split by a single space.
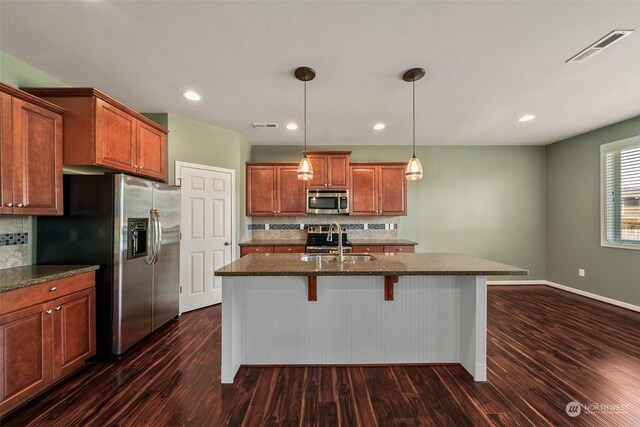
101 132
274 190
378 189
389 249
277 249
47 332
30 153
330 169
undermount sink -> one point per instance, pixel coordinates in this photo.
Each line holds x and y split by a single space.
334 258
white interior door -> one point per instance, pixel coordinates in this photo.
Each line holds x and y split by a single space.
207 227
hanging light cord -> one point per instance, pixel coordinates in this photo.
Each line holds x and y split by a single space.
414 116
304 154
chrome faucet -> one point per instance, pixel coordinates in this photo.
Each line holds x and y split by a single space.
330 239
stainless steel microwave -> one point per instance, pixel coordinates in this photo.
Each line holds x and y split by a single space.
330 202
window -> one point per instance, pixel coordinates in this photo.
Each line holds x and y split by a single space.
620 199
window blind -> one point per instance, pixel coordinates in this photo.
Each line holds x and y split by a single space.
621 192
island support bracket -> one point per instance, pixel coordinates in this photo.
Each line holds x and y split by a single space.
389 281
312 288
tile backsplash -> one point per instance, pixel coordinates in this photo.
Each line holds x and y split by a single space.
15 242
261 228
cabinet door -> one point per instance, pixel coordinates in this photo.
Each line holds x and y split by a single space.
261 191
364 191
246 250
74 331
392 190
25 355
319 165
6 156
291 192
37 159
115 138
364 249
151 156
338 170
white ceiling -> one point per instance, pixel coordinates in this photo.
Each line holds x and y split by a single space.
487 64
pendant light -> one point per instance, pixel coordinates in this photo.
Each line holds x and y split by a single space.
414 168
305 170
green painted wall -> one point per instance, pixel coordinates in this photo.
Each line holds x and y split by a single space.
18 73
483 201
197 142
573 218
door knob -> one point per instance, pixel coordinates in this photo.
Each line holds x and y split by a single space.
9 204
227 243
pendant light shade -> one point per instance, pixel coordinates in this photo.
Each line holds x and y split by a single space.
414 167
305 170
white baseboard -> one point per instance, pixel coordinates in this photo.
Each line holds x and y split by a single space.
569 289
594 296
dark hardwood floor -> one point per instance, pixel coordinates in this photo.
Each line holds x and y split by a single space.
546 348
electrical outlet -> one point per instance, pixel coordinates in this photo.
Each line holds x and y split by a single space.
581 272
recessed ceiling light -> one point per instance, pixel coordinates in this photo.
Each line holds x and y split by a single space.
526 118
192 96
292 126
379 126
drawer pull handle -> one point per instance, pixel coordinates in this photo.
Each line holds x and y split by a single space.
49 311
58 308
53 289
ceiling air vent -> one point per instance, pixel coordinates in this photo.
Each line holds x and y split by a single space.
598 46
265 125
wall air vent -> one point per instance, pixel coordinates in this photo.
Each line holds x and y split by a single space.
598 46
265 125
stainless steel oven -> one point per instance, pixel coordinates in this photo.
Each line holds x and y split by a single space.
328 201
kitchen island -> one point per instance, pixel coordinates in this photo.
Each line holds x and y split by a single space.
292 309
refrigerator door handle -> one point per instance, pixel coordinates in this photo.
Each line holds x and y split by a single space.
151 238
158 236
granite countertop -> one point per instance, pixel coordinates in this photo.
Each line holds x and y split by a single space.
275 242
302 242
29 275
421 264
382 242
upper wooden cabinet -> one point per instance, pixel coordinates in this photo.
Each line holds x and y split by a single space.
30 154
378 189
274 190
100 131
330 169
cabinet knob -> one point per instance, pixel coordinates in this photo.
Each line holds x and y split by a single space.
58 308
399 249
49 311
9 204
329 185
135 166
19 205
53 289
289 249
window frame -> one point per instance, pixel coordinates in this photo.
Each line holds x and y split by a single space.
633 142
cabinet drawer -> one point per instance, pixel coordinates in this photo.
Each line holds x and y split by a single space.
288 249
400 249
246 250
37 294
363 249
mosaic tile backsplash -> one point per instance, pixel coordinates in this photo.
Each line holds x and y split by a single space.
296 227
15 244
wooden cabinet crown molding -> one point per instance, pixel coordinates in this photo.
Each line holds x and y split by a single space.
26 96
83 92
360 164
327 153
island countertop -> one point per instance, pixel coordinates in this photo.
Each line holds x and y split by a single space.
29 275
418 264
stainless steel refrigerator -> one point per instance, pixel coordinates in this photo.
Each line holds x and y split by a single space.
131 227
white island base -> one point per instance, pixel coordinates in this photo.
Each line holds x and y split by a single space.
431 319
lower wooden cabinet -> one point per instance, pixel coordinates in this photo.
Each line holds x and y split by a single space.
278 249
364 249
43 337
